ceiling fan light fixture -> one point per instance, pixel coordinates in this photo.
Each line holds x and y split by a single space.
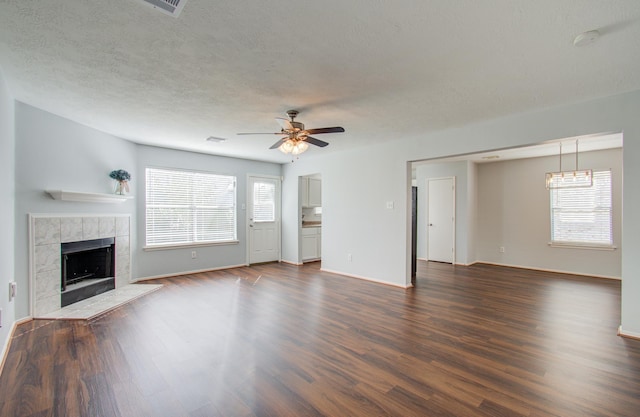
286 146
299 147
294 147
296 138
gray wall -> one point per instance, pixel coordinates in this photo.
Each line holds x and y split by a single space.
459 170
178 260
506 204
513 211
7 181
56 153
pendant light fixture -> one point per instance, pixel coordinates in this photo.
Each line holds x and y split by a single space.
569 179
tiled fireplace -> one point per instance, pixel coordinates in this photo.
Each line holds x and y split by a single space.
49 232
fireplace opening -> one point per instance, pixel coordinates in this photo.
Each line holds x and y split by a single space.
87 269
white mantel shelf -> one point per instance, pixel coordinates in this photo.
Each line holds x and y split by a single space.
87 197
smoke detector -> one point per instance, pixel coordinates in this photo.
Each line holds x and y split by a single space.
586 38
215 139
170 7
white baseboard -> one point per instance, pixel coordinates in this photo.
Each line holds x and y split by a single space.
290 262
197 271
557 271
366 278
630 335
454 263
7 343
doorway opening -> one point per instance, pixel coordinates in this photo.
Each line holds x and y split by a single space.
310 187
489 231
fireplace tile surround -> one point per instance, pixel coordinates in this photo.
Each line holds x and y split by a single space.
47 232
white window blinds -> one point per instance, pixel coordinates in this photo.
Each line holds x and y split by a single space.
583 216
185 207
264 201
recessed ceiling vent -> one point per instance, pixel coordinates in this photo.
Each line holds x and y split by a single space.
170 7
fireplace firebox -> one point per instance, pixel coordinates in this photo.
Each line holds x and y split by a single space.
88 269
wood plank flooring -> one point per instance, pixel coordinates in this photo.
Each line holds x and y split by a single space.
281 340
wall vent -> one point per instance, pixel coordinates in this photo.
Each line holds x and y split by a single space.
170 7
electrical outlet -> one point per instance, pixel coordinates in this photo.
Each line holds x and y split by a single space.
13 290
349 257
501 249
0 317
194 254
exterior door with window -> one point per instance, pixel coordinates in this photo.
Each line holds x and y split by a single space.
264 219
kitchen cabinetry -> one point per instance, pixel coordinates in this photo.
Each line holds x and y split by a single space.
311 243
311 192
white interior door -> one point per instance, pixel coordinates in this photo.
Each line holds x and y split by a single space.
441 219
263 220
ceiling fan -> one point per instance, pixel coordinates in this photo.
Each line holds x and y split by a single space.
296 138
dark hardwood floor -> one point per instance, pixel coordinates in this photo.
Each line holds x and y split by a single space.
281 340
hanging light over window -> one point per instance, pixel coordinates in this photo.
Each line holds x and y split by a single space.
294 146
569 179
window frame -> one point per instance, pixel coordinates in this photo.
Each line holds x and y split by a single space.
193 208
584 244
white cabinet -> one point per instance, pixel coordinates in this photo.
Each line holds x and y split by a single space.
315 192
311 243
311 192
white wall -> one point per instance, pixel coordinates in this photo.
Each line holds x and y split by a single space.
56 153
7 180
513 212
355 218
357 184
178 260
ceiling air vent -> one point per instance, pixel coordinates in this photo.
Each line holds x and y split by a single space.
170 7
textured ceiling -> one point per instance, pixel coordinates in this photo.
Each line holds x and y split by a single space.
383 70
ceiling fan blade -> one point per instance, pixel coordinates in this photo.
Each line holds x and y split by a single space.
270 133
315 141
284 123
280 142
336 129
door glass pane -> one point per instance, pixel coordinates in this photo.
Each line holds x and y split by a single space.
264 204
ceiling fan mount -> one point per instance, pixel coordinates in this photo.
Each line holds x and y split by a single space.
292 114
296 138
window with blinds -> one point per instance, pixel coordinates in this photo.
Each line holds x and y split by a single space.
186 207
264 201
583 216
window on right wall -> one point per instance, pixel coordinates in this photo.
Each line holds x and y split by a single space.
583 216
